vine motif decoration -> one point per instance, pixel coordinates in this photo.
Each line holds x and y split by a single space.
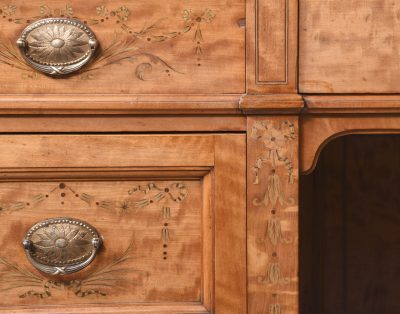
139 197
128 45
110 276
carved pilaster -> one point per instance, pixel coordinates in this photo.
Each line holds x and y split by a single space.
272 207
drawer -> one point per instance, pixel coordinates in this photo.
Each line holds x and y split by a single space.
144 47
169 210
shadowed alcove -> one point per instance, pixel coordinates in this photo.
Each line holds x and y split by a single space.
350 228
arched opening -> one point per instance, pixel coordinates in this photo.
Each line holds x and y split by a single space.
350 228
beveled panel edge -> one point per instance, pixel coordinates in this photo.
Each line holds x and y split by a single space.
121 123
72 104
232 104
101 151
352 103
102 174
172 308
196 105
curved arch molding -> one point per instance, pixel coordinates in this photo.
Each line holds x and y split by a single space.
317 131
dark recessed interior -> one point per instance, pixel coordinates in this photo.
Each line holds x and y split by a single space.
350 228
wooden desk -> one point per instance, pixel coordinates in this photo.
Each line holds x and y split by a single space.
181 142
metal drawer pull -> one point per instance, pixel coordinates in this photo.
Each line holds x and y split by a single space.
60 246
57 46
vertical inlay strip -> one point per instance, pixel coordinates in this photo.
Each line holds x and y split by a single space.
272 214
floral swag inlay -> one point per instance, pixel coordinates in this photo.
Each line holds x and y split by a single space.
275 142
111 276
128 44
276 152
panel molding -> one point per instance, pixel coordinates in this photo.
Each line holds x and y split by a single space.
97 151
352 104
131 216
223 216
141 104
272 46
258 41
184 308
104 174
230 224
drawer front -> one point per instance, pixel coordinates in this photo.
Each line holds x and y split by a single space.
152 241
144 47
172 230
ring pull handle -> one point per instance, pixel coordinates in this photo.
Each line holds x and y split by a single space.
57 46
61 246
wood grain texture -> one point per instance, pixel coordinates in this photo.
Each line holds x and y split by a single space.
354 235
137 263
146 47
208 221
317 131
189 308
100 103
230 224
109 173
377 104
349 46
271 46
106 150
271 103
271 19
272 214
97 188
122 123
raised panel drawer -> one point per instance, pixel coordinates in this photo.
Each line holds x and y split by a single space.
170 210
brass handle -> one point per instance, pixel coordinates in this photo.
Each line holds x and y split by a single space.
57 46
60 246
